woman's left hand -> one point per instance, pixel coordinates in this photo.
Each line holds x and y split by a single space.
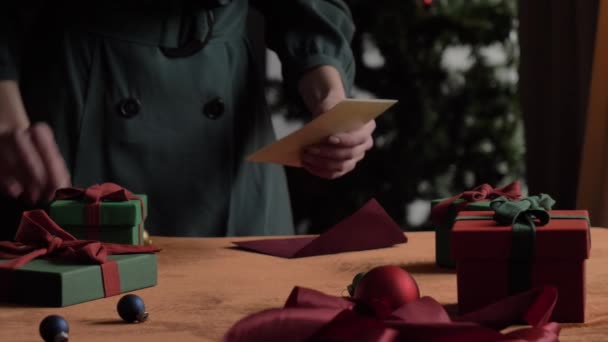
321 89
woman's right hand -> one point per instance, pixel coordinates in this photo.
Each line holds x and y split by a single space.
31 166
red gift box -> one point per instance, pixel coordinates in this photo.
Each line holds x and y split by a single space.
486 271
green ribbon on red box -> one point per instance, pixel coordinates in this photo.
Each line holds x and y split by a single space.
481 193
523 216
39 236
93 196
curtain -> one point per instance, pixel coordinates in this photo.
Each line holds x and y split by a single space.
593 182
556 48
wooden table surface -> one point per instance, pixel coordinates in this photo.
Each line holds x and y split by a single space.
205 285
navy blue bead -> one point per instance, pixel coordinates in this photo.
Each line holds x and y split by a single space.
54 328
131 309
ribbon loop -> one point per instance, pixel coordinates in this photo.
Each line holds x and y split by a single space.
96 193
532 210
477 194
483 192
38 230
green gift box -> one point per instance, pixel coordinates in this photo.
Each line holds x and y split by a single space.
119 221
42 282
476 199
443 230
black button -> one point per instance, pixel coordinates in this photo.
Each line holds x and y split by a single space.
129 107
214 108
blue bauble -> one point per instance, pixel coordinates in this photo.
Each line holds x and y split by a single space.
131 309
54 328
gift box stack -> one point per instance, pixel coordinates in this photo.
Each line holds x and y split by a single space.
79 265
516 244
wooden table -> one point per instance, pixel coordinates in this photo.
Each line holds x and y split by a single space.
205 286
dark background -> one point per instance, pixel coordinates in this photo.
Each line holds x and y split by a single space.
453 129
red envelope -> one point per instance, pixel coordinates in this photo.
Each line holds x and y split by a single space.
369 228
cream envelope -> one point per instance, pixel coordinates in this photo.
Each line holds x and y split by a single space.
346 116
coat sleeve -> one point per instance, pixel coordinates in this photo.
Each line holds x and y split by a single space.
16 20
309 33
8 44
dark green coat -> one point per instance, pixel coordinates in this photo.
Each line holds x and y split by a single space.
129 103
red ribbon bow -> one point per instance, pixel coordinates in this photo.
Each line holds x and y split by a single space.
39 236
93 196
310 315
480 193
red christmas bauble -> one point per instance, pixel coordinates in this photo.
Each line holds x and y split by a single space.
386 288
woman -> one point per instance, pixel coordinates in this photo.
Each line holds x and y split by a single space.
164 98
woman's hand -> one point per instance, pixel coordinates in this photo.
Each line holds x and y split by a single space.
31 166
321 89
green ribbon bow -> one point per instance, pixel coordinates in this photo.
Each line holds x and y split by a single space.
509 212
523 216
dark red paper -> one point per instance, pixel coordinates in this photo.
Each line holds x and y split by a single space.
369 228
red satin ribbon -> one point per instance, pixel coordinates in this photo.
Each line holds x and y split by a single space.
39 236
480 193
310 315
93 196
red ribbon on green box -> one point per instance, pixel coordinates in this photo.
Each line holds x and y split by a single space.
39 236
93 196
